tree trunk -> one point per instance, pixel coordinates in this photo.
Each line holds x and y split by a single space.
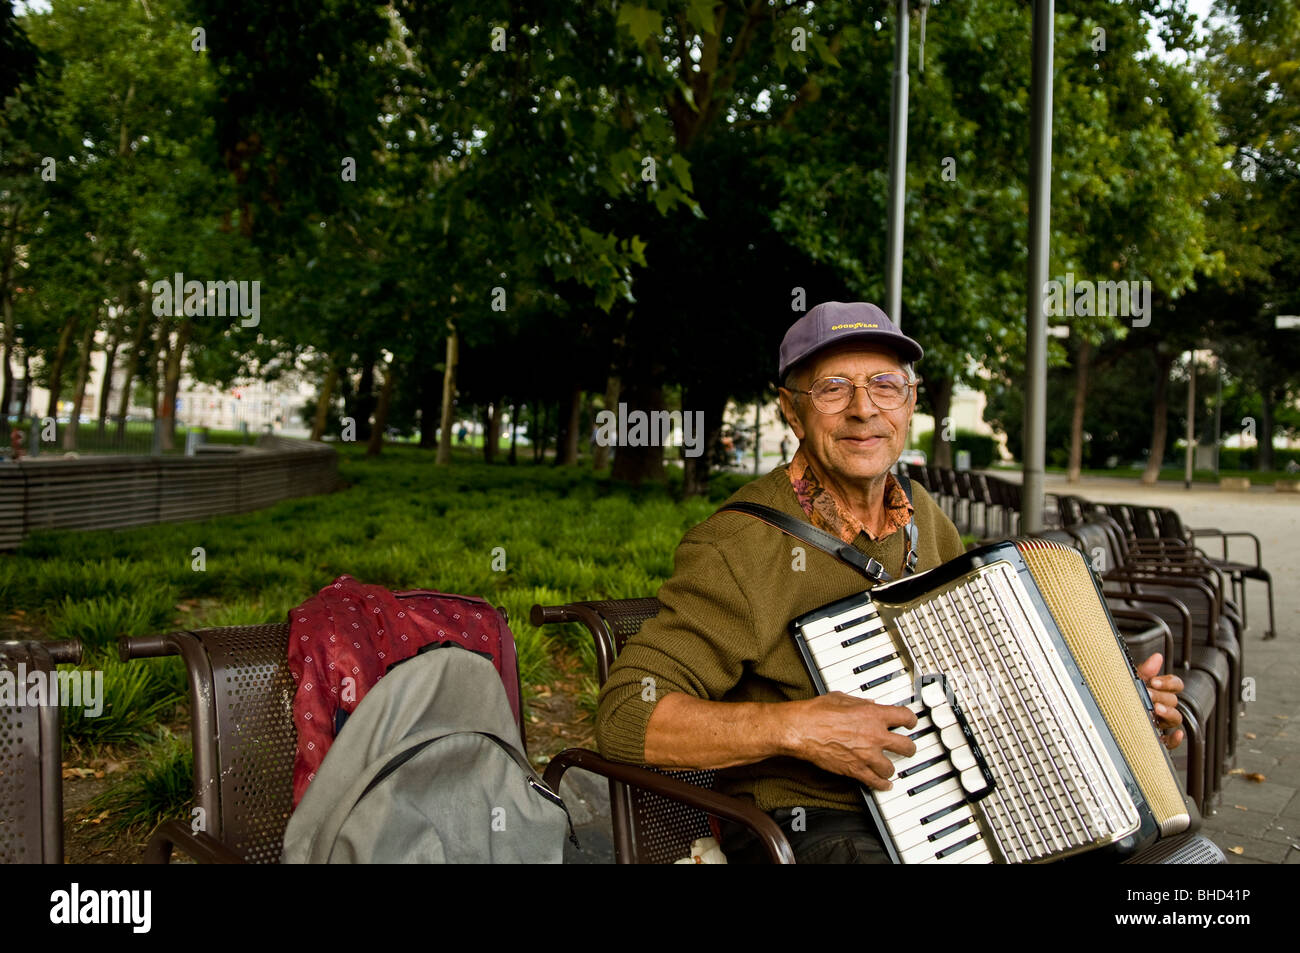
570 421
696 470
1264 435
600 456
1159 419
539 431
159 356
106 385
124 400
376 444
324 401
7 310
491 431
56 366
940 391
637 464
83 375
27 391
347 394
363 401
172 382
448 395
1081 361
429 407
514 434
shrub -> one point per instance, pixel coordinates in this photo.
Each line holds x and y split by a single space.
1247 458
983 447
159 788
137 696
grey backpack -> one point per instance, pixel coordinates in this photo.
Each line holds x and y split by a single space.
429 769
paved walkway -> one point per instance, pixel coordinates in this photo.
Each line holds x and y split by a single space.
1258 821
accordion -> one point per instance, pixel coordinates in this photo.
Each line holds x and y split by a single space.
1034 739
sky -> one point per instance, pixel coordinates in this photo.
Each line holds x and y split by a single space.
1199 7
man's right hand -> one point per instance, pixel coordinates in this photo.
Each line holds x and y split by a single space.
849 736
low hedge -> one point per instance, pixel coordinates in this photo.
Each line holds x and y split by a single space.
983 448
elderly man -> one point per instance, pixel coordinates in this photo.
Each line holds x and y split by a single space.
715 680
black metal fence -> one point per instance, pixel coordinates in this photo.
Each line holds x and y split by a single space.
106 491
41 436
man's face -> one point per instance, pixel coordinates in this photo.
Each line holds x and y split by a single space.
862 441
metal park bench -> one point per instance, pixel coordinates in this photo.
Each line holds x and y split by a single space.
241 698
31 779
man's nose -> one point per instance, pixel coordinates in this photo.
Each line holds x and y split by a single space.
861 404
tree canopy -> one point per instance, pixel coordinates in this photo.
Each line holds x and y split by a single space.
461 207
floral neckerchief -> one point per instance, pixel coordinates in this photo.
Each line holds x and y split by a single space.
827 512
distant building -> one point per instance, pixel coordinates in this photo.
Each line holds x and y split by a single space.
257 403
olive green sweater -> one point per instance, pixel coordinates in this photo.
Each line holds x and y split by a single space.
723 633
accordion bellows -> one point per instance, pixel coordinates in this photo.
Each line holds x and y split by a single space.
1071 596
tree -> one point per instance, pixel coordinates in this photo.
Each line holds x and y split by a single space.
1251 69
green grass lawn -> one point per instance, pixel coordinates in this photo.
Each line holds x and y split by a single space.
402 522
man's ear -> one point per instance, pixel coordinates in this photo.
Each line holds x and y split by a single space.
788 411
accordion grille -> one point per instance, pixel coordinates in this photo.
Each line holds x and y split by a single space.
1065 582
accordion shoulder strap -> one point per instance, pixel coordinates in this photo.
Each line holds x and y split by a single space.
813 536
909 563
827 543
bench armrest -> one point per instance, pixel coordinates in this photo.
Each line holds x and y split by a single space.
1152 621
1135 598
1231 534
203 847
1139 577
711 802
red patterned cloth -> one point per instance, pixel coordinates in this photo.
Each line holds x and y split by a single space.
343 640
828 512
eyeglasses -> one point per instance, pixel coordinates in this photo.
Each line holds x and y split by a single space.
830 395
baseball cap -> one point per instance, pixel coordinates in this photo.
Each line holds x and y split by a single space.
833 322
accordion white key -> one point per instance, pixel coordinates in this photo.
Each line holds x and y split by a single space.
1034 736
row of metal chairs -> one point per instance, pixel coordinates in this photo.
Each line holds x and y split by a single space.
244 743
979 504
988 506
1161 527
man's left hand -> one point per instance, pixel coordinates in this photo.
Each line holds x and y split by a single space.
1164 690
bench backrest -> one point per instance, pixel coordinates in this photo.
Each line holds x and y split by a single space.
241 698
241 725
252 701
31 779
